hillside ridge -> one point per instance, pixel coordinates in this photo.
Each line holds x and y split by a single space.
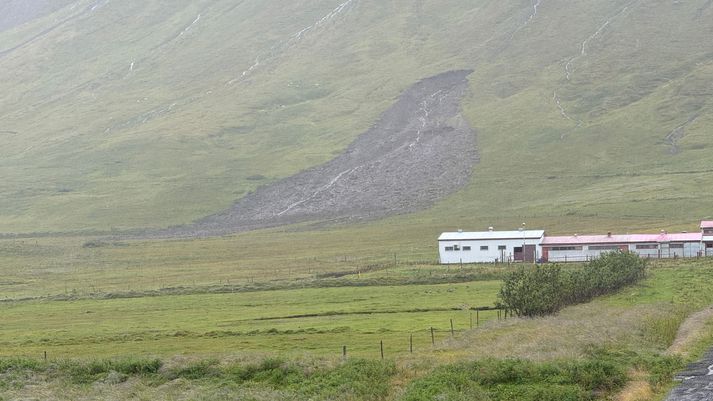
146 115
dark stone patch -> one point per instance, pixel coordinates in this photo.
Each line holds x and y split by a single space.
696 381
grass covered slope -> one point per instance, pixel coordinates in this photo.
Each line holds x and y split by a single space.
146 114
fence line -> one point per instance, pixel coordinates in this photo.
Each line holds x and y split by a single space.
501 315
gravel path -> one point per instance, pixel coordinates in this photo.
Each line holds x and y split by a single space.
696 382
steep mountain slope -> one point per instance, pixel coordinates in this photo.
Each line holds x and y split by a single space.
150 114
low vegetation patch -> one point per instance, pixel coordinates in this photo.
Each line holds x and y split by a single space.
97 370
545 290
355 379
596 377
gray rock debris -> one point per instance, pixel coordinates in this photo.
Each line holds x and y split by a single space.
696 382
419 151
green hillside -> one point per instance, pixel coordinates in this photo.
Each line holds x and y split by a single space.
124 115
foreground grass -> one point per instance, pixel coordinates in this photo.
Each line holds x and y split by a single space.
599 374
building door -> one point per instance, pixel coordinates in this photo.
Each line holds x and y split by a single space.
517 254
530 253
665 251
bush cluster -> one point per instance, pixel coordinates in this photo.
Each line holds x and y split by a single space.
546 289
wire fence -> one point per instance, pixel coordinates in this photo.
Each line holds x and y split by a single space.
433 335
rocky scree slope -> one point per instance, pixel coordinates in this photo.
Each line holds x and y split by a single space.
419 151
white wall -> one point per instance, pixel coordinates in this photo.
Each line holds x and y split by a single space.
475 255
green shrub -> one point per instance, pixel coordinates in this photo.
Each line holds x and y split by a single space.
355 379
272 371
9 364
544 290
533 292
196 370
87 372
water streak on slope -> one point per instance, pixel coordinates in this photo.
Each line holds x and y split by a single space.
277 49
563 113
535 5
320 190
420 150
585 44
562 110
188 28
677 134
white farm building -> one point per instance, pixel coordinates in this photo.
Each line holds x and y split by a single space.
490 246
580 248
533 245
707 240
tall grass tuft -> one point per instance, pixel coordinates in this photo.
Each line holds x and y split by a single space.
662 330
83 372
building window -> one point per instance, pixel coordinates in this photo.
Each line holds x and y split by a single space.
456 247
449 248
566 248
647 246
484 248
708 231
676 246
466 248
603 247
502 247
709 245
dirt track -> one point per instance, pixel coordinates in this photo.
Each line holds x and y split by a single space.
697 380
419 151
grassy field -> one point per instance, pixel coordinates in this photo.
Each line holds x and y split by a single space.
211 329
285 322
126 298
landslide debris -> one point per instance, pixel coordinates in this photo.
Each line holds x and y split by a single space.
419 151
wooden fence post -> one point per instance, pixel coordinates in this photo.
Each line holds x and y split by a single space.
433 337
382 349
344 352
410 344
452 332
